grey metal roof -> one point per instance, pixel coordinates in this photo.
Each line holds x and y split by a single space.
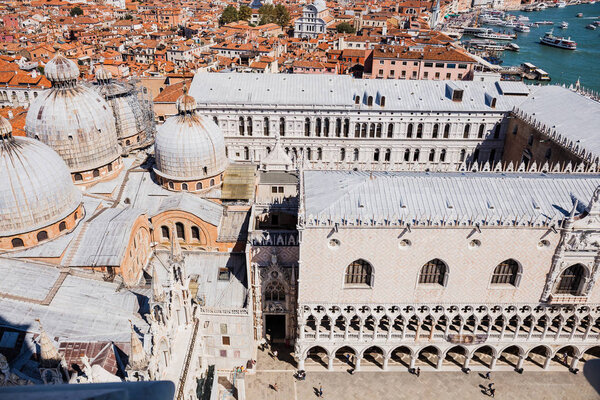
571 115
442 198
340 90
206 210
204 266
31 281
82 309
278 177
234 226
104 239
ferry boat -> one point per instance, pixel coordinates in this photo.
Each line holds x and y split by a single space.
472 30
545 23
495 36
564 25
522 28
550 40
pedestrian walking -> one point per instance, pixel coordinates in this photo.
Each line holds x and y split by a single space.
418 372
275 353
275 387
488 375
492 392
320 390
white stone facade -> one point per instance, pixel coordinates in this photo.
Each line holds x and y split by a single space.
346 138
396 320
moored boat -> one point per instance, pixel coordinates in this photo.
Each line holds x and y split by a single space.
522 28
545 23
495 36
555 41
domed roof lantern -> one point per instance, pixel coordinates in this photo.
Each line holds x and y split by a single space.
5 129
102 75
186 104
61 71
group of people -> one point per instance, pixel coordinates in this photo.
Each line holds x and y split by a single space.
490 390
301 375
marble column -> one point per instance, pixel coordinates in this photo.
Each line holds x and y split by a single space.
385 363
520 362
575 362
357 363
493 363
330 362
547 361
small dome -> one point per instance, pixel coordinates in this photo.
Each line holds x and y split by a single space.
36 189
102 75
61 70
133 116
5 128
77 123
189 146
186 104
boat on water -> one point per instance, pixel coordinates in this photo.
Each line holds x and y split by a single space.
545 23
564 25
555 41
591 27
495 36
561 4
522 28
579 15
472 30
597 23
513 47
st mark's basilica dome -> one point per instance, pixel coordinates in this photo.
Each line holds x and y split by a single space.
189 150
76 122
38 200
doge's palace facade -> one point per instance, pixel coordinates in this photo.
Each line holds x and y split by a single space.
445 269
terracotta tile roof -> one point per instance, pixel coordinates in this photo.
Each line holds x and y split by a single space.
171 93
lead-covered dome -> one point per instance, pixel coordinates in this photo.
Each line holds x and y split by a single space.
73 119
134 117
36 189
188 146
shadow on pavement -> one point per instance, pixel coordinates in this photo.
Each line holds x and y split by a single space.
591 371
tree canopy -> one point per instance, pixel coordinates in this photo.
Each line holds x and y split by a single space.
230 14
270 14
76 11
244 13
345 27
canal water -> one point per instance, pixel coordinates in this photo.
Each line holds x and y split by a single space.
564 66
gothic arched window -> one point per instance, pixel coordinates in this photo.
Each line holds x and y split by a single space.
507 272
17 242
275 292
570 280
434 271
359 272
62 226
